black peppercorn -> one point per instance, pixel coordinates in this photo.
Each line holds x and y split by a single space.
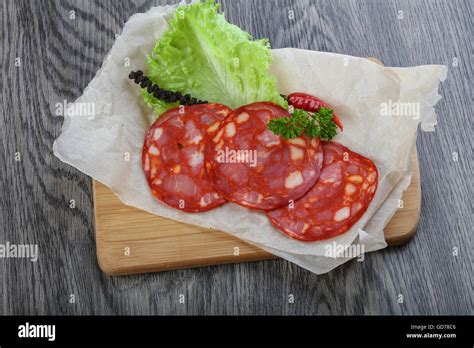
157 92
145 83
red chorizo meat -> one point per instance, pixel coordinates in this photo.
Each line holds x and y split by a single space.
251 166
345 188
173 157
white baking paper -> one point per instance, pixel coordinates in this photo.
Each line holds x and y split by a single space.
108 145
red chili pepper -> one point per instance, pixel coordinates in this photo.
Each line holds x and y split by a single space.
310 103
337 121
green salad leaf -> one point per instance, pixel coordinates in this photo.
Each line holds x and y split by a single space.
203 55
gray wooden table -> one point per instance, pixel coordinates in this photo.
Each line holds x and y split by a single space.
59 55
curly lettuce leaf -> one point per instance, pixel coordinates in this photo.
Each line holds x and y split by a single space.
203 55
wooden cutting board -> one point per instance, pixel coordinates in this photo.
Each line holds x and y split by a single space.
130 240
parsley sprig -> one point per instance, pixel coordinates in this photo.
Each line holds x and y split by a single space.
319 124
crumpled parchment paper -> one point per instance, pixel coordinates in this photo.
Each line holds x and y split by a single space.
107 145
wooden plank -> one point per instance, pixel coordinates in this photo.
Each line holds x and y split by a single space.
162 244
60 56
130 240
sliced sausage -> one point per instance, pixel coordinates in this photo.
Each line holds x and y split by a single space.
173 157
251 166
345 188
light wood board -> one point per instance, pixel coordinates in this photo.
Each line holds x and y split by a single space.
130 240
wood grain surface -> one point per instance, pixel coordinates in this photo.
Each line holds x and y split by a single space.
59 55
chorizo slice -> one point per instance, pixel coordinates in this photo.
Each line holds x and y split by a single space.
173 157
251 166
346 186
